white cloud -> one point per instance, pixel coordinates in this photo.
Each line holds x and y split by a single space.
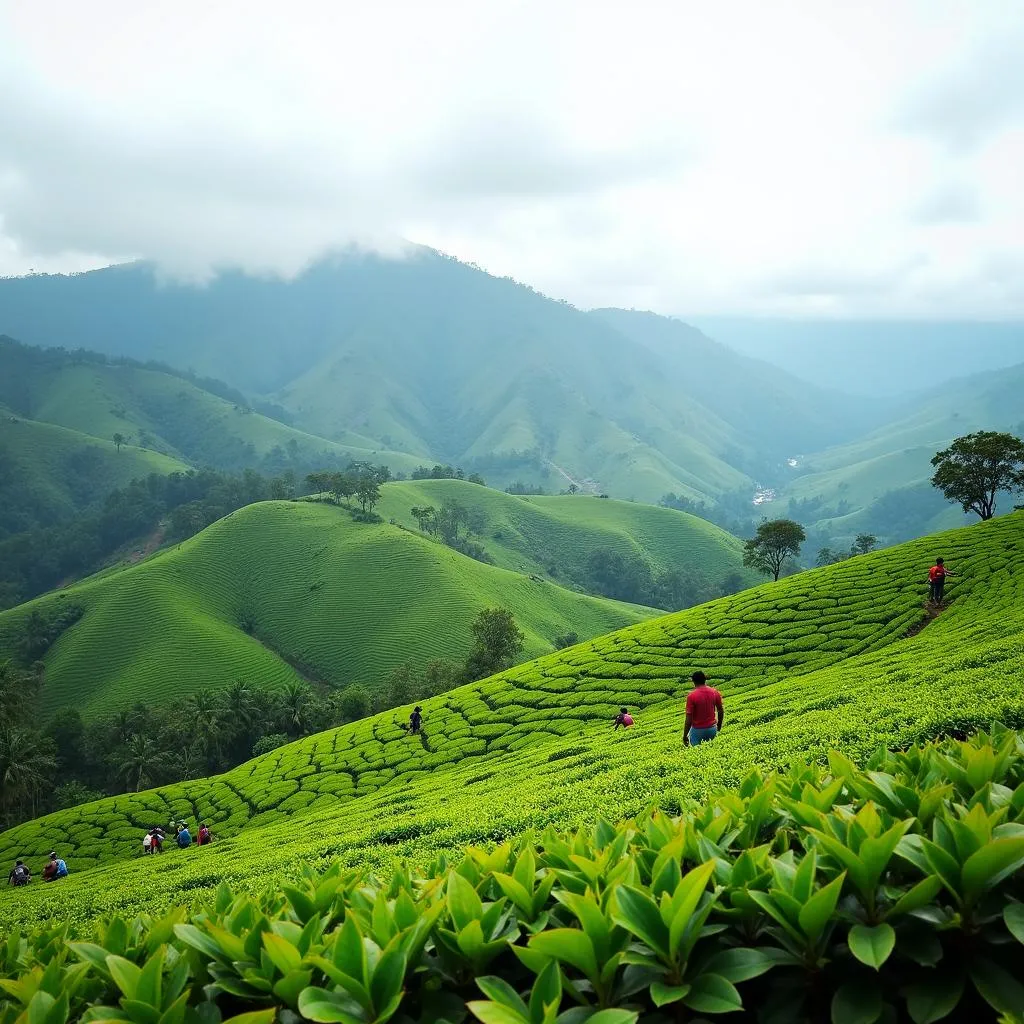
688 157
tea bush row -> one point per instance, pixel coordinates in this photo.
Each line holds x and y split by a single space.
892 892
958 674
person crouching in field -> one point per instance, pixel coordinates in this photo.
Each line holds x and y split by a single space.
704 713
20 874
623 718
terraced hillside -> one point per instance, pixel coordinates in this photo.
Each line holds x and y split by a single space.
342 601
829 659
556 534
47 473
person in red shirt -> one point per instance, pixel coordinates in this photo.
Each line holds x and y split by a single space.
704 713
623 718
937 581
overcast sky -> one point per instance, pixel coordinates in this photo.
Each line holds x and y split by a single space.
858 157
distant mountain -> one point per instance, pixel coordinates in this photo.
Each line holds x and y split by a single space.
439 361
879 482
873 357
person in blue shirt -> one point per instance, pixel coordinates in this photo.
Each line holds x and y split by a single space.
184 837
55 869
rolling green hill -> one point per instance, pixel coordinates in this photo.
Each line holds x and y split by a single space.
894 462
554 535
163 412
432 358
834 659
343 601
48 473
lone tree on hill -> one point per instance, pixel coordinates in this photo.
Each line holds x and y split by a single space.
499 642
976 467
864 543
118 440
775 541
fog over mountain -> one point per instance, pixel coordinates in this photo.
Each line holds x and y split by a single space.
798 159
873 357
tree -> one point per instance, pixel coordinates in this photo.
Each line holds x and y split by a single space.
118 440
499 642
138 759
354 703
367 493
573 488
425 516
27 765
976 467
476 478
826 556
864 543
775 541
564 640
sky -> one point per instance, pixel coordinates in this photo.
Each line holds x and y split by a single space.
738 157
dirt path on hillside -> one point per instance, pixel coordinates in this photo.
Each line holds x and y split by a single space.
584 486
931 613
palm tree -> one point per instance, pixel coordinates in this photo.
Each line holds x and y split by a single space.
27 765
295 708
206 716
138 759
239 704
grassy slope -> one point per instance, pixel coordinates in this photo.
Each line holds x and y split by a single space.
537 534
898 455
349 602
40 461
816 662
182 419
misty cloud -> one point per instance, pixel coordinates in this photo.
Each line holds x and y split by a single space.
978 94
685 158
952 203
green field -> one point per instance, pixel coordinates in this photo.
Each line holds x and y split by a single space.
343 601
556 534
48 473
827 659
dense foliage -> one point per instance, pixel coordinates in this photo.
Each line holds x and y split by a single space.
833 658
976 468
843 894
36 560
69 761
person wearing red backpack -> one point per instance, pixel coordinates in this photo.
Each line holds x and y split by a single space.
937 582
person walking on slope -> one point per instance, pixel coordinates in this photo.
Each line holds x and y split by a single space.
415 721
704 713
623 718
937 582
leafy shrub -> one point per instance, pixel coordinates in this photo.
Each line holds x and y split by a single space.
889 892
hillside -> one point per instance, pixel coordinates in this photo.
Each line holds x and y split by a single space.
859 484
829 659
554 535
163 412
436 359
343 601
48 473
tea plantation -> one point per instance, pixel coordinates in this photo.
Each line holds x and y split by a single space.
280 588
819 661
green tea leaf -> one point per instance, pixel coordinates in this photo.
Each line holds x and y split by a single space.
872 946
936 998
856 1004
711 993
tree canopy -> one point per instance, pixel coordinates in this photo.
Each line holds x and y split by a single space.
775 541
975 468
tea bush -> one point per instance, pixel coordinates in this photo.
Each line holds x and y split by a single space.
889 892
